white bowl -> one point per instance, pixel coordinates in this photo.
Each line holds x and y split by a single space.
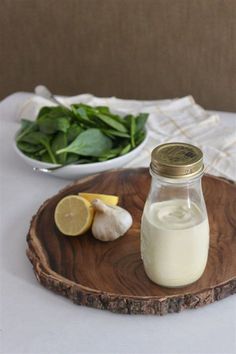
77 171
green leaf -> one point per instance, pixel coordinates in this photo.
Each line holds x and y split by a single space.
92 142
141 120
139 137
44 110
26 147
32 156
71 158
112 132
59 142
111 122
27 126
36 138
111 154
132 131
73 131
82 117
50 125
91 116
89 110
54 119
103 109
127 121
46 157
125 150
55 112
82 113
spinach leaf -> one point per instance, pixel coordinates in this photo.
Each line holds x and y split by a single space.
111 122
55 112
50 125
125 150
44 110
91 142
132 131
36 138
26 147
81 112
53 119
27 126
127 121
141 120
73 131
139 136
103 109
98 117
111 154
46 157
82 117
59 142
71 158
114 133
32 156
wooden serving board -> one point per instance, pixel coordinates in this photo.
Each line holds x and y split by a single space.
111 275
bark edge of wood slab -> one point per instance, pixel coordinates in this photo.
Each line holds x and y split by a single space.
110 276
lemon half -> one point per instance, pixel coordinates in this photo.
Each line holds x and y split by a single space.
73 215
105 198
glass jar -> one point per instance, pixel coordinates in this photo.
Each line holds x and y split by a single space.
174 227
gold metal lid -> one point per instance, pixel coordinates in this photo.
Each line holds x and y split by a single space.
177 160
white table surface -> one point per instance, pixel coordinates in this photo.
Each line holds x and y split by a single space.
35 320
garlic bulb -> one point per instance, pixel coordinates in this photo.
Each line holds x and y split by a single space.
110 222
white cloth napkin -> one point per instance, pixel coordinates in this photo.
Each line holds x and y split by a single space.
169 120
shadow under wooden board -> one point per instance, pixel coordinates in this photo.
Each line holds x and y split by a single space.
110 275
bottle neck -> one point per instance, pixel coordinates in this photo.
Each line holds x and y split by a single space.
176 181
165 189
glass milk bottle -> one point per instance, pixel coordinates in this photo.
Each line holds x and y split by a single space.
174 227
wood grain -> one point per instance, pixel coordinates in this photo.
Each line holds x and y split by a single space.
111 275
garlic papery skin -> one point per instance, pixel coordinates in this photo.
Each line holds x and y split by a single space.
110 222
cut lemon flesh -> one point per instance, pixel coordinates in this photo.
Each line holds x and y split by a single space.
73 215
105 198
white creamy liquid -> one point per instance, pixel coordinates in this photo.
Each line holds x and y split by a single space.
174 242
